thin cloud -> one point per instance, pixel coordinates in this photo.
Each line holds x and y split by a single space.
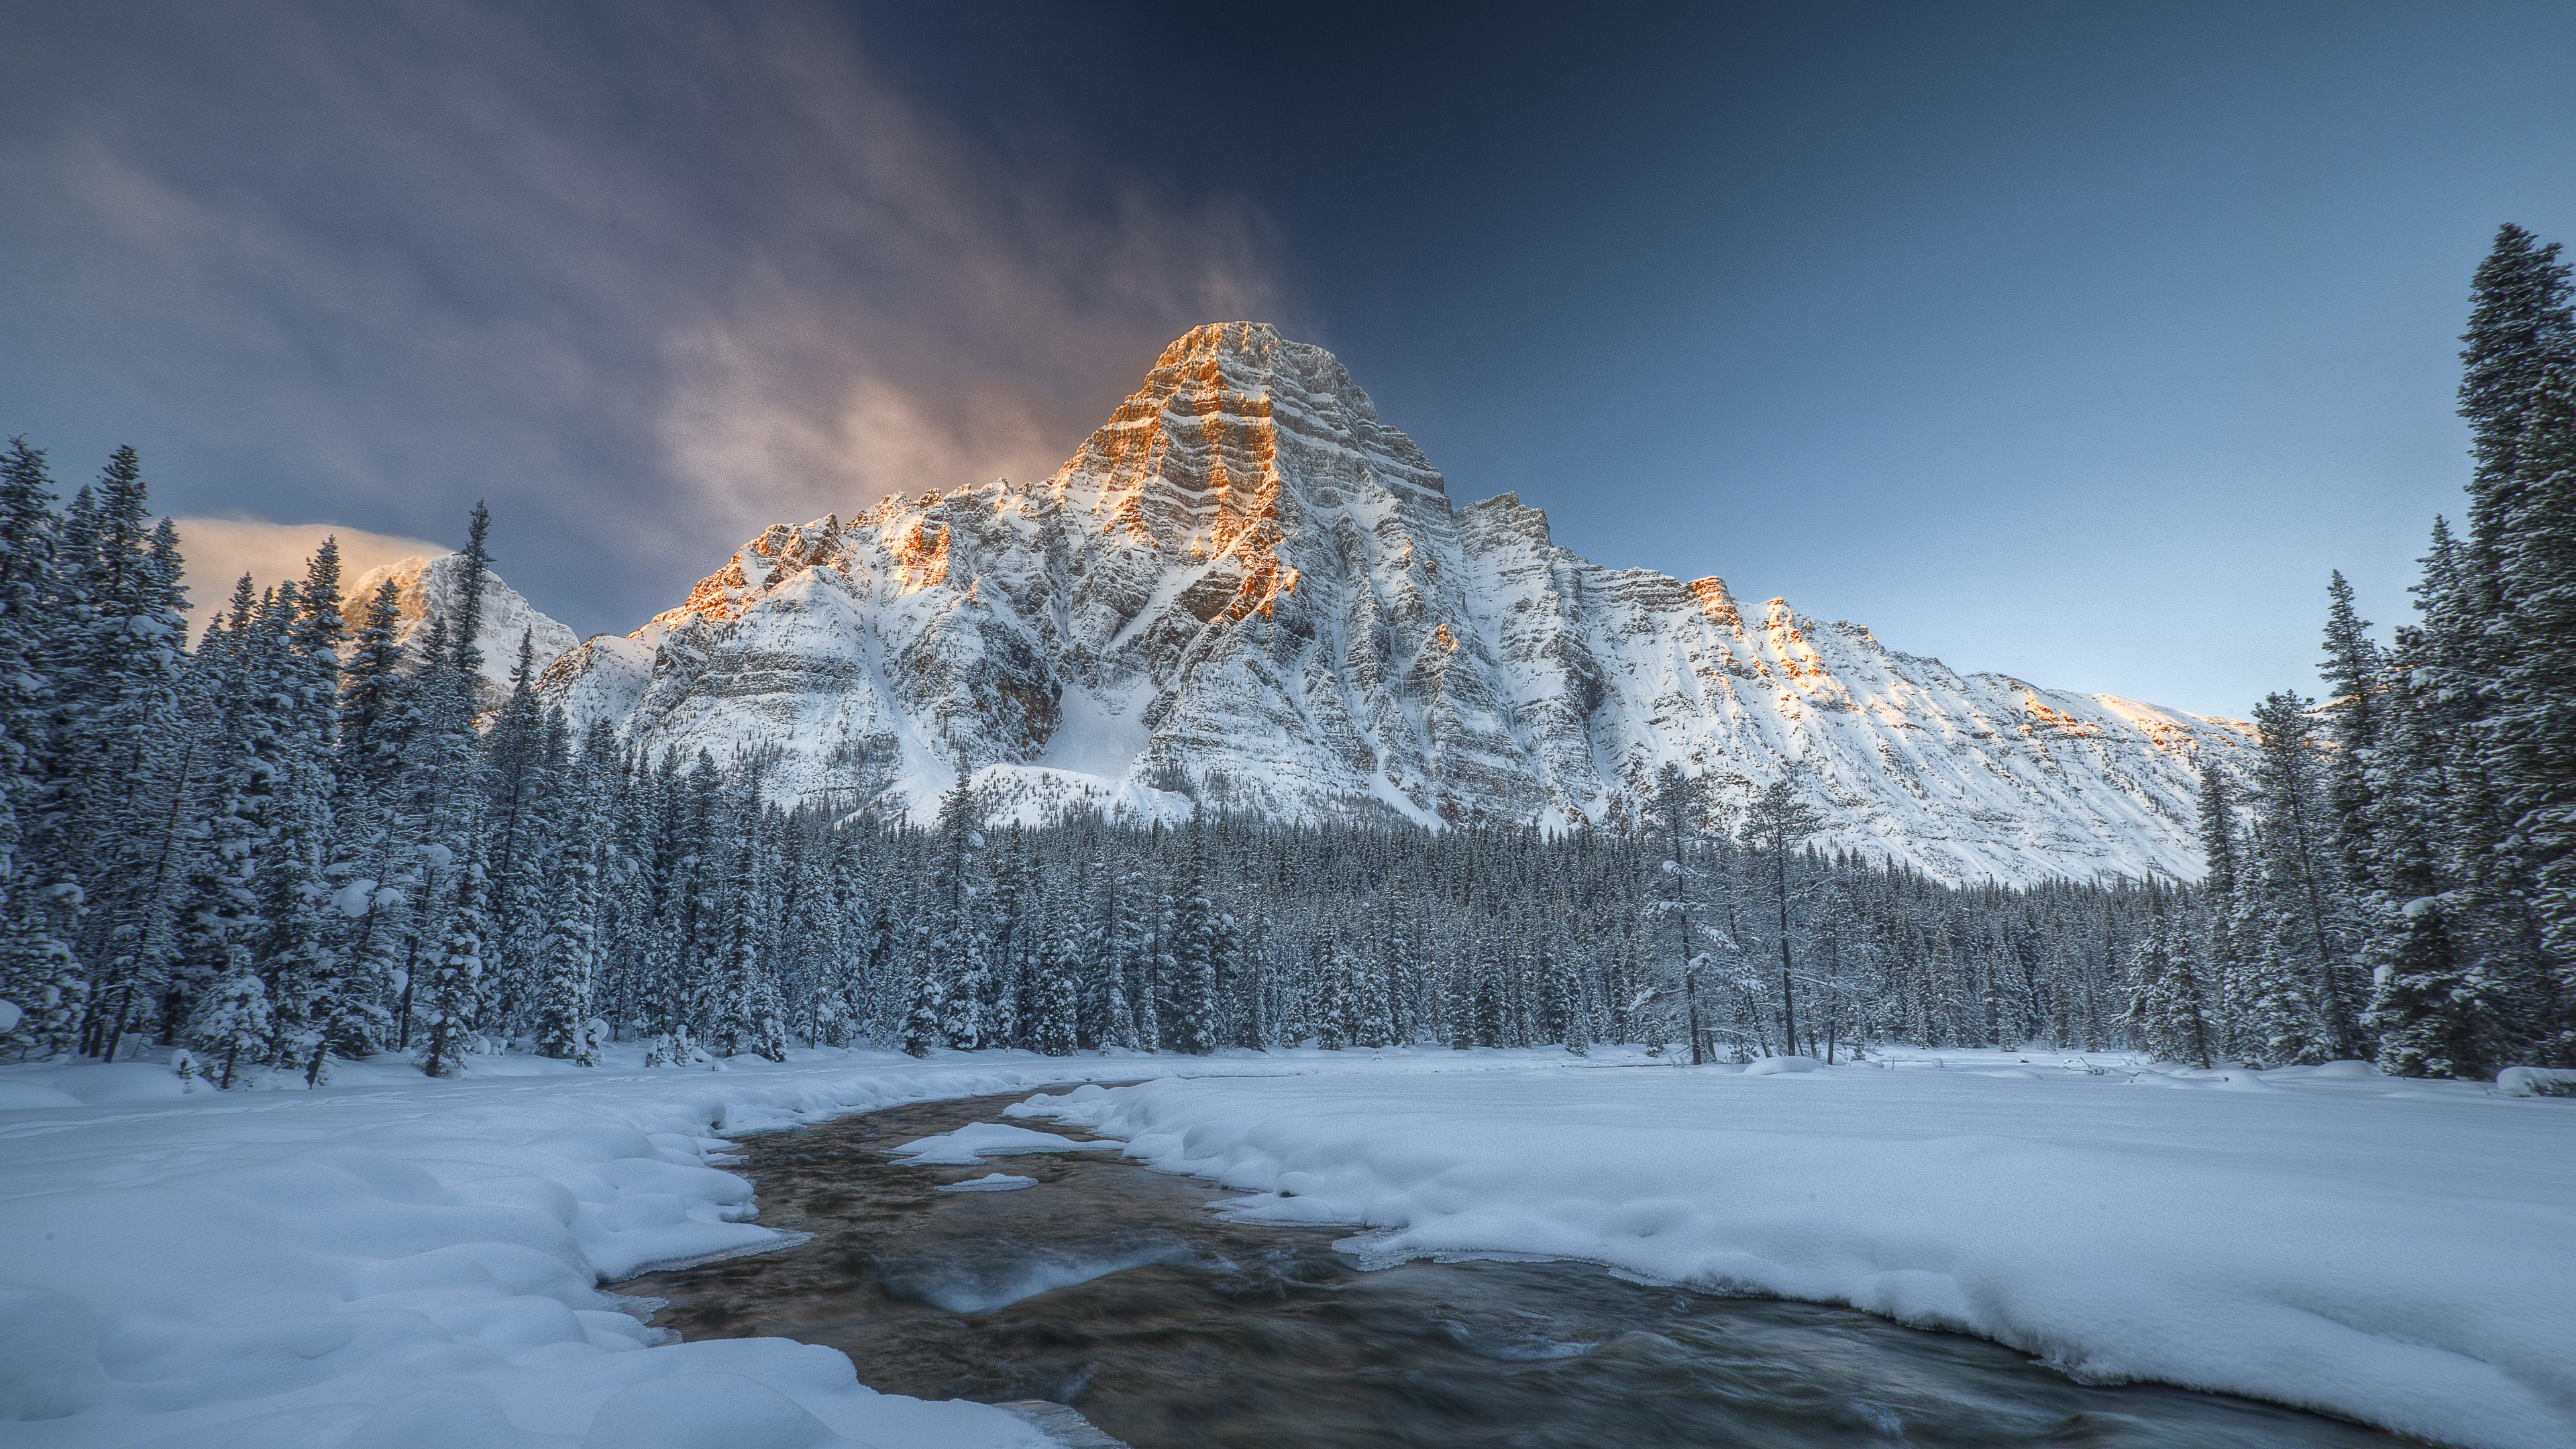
648 276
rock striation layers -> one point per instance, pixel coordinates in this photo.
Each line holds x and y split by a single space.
1248 593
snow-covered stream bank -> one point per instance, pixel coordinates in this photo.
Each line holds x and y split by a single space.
396 1263
1099 1283
2399 1253
411 1263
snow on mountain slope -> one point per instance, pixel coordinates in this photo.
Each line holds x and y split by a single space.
1245 591
427 589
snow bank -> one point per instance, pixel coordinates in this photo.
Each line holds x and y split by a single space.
2309 1237
396 1263
969 1145
2536 1081
991 1182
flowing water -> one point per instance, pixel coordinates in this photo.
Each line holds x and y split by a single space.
1112 1288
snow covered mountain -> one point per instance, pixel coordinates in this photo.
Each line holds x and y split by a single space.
1246 591
427 588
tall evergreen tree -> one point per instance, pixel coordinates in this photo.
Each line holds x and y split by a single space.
1189 987
2355 678
1054 1027
957 948
2529 743
456 979
1676 810
567 958
2308 905
2168 1007
2520 326
1779 825
464 631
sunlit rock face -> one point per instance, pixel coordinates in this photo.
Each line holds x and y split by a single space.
1246 592
427 589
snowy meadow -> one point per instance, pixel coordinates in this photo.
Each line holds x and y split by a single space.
394 1261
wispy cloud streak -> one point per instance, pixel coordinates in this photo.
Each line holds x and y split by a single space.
647 275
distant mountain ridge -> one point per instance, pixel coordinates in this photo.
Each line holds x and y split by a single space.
1246 591
429 586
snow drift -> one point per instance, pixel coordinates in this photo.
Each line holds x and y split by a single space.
396 1263
2315 1238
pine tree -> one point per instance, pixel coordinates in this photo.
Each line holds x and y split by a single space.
370 695
40 977
438 802
1058 999
2436 1011
1842 952
317 999
218 908
295 963
1330 992
2167 1004
29 543
880 958
957 949
465 629
1569 1015
1003 911
1189 985
1489 1005
2277 1025
1107 1018
1676 812
2306 899
2431 1013
115 677
2498 627
925 1014
746 1013
567 959
2354 675
1372 1015
2529 743
2520 324
519 771
233 1026
1778 826
456 979
1248 979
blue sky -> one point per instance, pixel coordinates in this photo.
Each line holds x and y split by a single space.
2073 341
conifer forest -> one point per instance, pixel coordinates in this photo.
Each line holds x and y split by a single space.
294 840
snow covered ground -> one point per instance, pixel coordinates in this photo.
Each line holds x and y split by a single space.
396 1263
393 1263
2398 1252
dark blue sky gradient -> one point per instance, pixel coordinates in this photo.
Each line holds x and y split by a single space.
2073 341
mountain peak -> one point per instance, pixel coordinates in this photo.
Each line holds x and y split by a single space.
1245 592
430 587
1250 339
1252 357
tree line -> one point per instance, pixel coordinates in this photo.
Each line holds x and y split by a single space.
303 840
2403 885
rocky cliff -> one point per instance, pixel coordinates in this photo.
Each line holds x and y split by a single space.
1245 591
